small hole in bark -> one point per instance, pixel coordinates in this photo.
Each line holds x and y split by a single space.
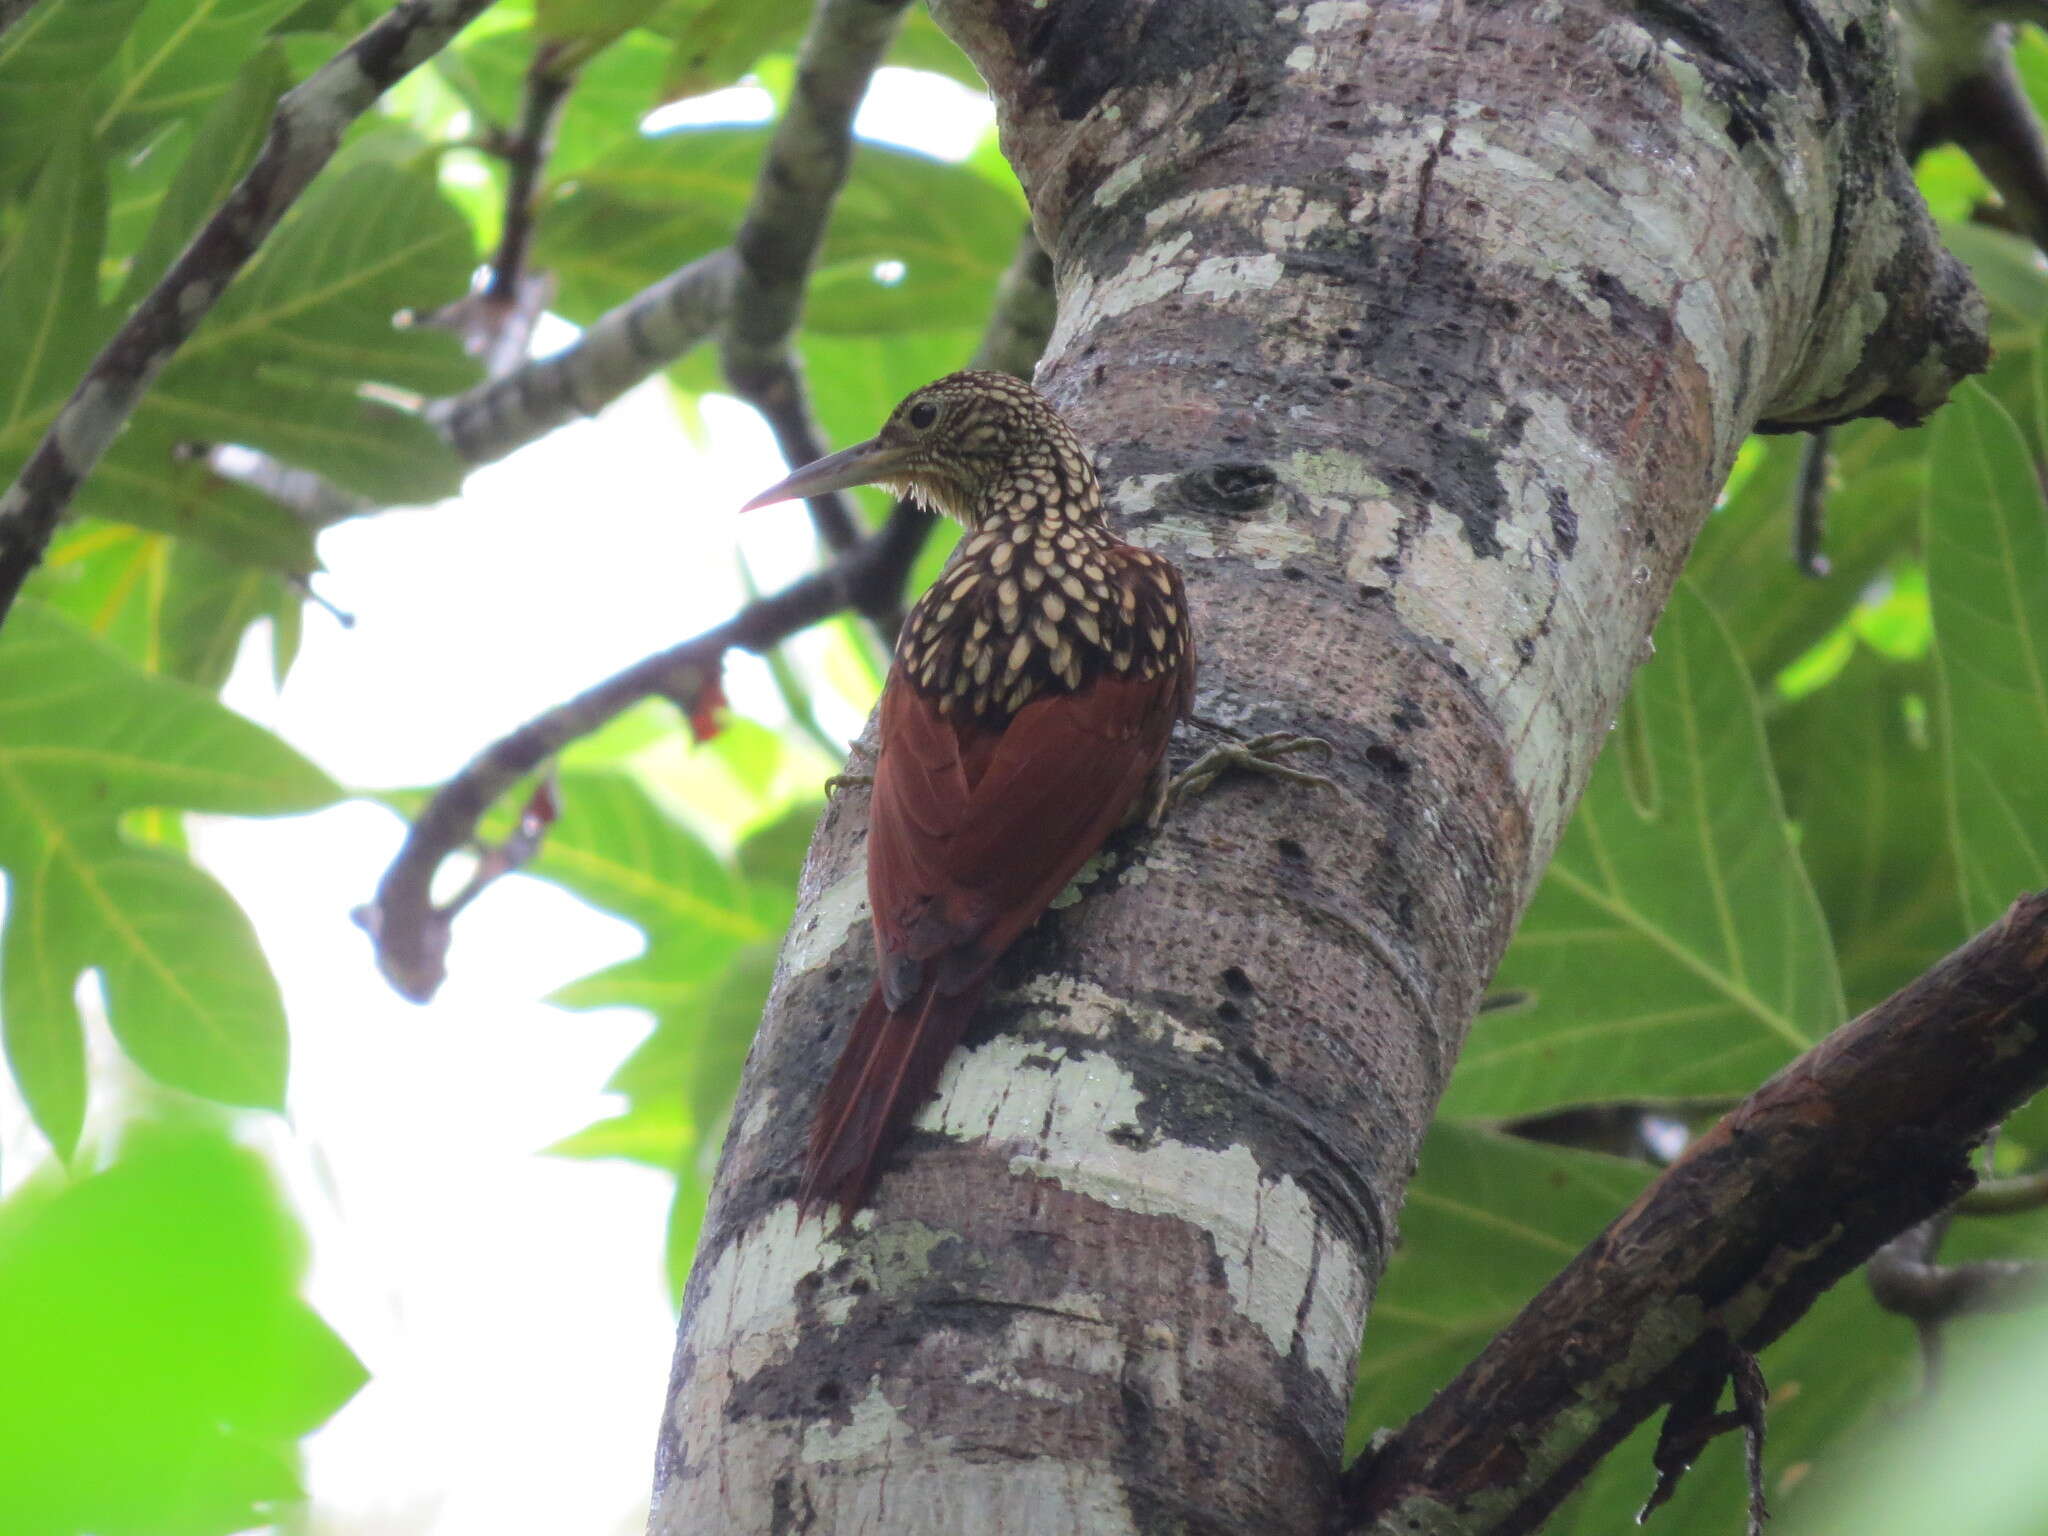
1345 333
1387 760
1339 124
834 973
1294 573
859 1288
1290 849
1256 1065
829 1393
1236 981
1338 381
1369 593
1229 1012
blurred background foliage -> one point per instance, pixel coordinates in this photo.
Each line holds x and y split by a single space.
1817 787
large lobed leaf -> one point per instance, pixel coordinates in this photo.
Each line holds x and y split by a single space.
1860 782
1675 948
293 359
648 205
1987 577
85 736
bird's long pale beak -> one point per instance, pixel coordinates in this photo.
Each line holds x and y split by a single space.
862 464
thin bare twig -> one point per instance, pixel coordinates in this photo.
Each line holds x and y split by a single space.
1905 1277
1862 1137
1810 511
2006 1197
526 153
496 321
303 137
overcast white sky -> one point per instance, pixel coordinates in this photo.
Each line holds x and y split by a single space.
511 1306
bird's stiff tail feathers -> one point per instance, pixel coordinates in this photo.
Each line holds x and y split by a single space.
890 1064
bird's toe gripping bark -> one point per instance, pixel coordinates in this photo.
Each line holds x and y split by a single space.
1259 754
840 781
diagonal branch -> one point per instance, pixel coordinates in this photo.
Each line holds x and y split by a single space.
1858 1140
303 137
632 342
409 931
784 226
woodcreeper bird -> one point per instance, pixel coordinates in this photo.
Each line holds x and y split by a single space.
1028 707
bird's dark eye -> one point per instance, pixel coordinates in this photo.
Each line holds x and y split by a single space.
923 415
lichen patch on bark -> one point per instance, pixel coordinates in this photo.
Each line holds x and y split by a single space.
1076 1118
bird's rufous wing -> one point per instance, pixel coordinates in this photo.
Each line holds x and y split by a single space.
972 832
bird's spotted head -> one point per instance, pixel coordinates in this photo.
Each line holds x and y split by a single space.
974 446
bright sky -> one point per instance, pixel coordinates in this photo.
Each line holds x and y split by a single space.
511 1306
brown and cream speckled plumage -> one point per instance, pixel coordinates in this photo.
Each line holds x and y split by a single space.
1034 689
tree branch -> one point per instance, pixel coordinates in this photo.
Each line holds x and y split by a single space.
2006 1197
303 137
1858 1140
1905 1277
410 932
784 226
630 343
548 83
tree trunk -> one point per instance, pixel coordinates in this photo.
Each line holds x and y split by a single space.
1421 336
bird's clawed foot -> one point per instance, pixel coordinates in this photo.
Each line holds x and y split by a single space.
1258 754
840 781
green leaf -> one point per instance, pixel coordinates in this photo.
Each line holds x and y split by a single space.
1861 781
84 738
178 60
171 606
171 1366
650 204
1488 1221
1987 577
283 363
47 60
50 317
718 41
222 149
1742 563
589 20
1675 948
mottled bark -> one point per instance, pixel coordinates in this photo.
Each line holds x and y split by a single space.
1421 335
